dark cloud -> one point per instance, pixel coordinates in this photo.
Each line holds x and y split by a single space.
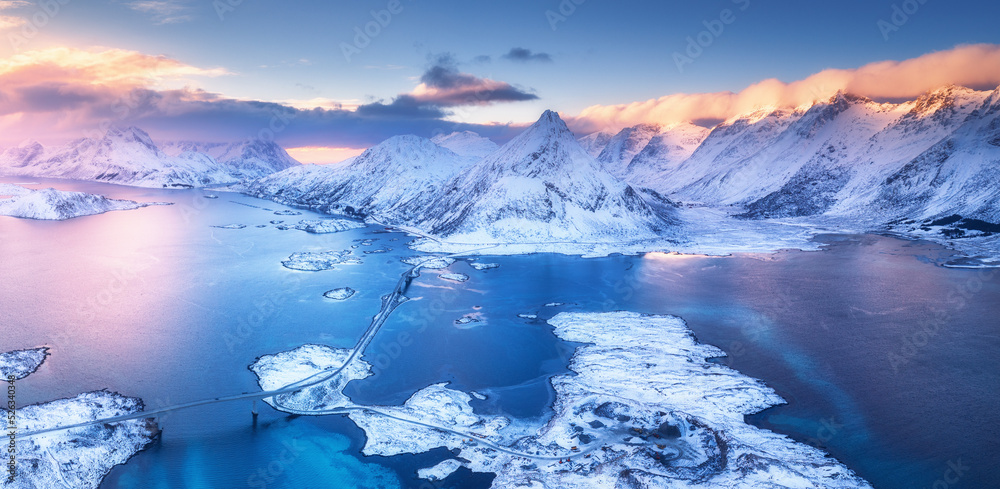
444 85
523 55
404 106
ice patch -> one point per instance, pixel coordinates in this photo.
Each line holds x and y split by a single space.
454 277
440 471
326 226
429 261
340 294
317 261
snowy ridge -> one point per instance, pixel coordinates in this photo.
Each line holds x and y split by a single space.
466 143
622 147
594 143
128 156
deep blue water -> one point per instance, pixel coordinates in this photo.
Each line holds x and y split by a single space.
157 304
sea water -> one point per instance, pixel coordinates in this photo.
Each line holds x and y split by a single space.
887 361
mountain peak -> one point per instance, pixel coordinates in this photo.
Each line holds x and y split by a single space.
550 119
129 134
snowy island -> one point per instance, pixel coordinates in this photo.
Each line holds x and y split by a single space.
79 458
679 424
58 205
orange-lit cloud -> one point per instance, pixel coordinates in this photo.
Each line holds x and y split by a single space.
10 22
322 155
975 66
68 92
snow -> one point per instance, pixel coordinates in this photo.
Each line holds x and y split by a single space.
678 424
594 143
542 186
129 156
57 205
622 147
763 181
315 261
429 261
340 294
285 368
230 226
454 277
326 226
467 319
78 458
483 266
440 471
466 143
385 183
21 363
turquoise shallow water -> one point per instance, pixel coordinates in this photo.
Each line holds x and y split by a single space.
158 304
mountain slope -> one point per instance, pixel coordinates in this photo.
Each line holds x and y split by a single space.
594 143
844 178
466 143
391 181
958 175
664 153
542 186
622 147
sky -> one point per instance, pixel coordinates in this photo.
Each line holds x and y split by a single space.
328 78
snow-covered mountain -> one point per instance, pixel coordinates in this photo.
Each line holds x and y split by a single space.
389 182
848 157
622 147
542 186
959 174
466 143
252 157
595 142
128 156
663 153
856 151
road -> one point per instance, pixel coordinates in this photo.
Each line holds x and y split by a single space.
389 304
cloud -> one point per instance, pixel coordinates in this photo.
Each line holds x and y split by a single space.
10 22
444 85
9 4
60 94
523 55
974 66
162 11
